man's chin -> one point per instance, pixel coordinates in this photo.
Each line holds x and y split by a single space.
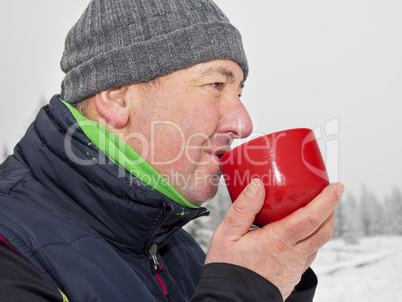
204 195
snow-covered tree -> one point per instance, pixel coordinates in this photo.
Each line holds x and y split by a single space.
393 209
352 224
340 218
372 214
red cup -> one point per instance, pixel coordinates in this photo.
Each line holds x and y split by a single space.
289 164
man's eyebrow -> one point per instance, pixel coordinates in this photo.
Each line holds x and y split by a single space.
223 71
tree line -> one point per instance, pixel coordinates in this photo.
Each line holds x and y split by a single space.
368 216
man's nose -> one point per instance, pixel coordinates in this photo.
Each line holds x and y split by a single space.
236 119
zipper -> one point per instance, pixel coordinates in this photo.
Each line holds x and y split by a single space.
157 266
203 213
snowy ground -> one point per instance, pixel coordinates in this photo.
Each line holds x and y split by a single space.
370 271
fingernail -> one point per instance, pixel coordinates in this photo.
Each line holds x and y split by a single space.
339 190
252 188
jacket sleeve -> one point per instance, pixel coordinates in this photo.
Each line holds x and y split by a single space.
227 282
22 281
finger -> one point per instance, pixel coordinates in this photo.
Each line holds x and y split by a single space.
241 214
314 242
307 220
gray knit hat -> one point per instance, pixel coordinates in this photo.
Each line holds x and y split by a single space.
119 42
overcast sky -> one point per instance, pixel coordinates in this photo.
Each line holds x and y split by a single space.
312 63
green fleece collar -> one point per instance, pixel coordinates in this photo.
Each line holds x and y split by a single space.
124 156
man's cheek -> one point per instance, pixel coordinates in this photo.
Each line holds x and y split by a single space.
167 143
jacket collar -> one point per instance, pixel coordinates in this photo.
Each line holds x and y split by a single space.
126 212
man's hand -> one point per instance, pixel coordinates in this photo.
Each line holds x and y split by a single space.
281 251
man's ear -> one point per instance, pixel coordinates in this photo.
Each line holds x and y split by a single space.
111 104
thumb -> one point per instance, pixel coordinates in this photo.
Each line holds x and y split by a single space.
241 214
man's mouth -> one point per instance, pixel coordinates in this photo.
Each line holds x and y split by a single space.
218 153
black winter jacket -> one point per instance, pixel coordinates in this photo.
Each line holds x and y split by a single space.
75 222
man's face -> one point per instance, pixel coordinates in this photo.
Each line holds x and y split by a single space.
187 121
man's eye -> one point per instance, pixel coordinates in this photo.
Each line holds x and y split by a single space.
218 85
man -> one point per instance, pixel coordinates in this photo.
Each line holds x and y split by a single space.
94 197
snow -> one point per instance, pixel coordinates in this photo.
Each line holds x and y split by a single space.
368 271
